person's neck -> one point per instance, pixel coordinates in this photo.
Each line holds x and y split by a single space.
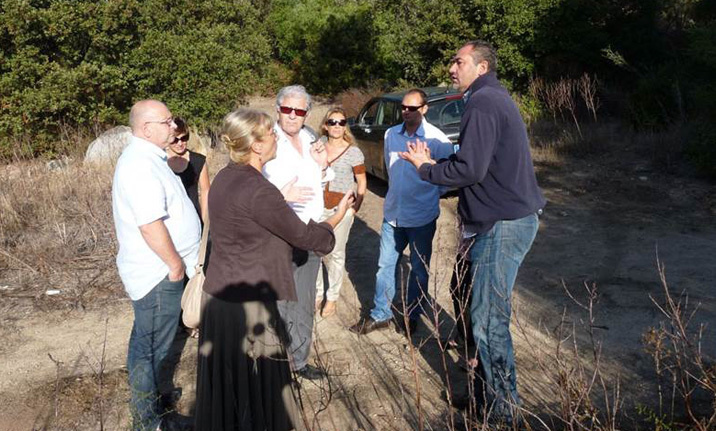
256 163
336 142
410 129
295 140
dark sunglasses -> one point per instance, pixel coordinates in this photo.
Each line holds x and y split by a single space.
332 122
410 108
184 138
288 109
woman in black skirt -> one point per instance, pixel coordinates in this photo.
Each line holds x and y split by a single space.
243 379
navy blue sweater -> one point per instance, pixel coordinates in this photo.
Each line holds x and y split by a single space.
493 167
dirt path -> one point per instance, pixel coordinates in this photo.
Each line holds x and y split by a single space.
605 221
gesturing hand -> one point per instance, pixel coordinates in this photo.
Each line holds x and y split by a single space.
418 153
319 153
296 194
346 202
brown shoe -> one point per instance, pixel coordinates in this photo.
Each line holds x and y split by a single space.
367 325
329 309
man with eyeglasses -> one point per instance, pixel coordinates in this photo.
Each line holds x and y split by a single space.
499 203
299 168
158 232
410 211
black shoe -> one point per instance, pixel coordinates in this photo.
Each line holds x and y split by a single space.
408 331
309 372
366 325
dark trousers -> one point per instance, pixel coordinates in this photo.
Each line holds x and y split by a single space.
298 315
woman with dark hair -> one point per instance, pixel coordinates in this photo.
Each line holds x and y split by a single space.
191 167
347 162
243 378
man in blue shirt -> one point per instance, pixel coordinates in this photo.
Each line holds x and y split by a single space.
410 211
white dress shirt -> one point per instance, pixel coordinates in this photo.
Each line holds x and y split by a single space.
290 164
410 201
144 190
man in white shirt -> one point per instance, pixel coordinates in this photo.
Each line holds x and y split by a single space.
410 211
298 159
158 232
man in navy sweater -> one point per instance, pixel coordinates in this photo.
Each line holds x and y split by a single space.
499 203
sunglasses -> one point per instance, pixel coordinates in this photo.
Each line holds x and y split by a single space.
177 139
410 108
332 122
287 110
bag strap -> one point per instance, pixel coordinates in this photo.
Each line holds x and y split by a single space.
202 246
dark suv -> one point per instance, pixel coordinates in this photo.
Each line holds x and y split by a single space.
445 108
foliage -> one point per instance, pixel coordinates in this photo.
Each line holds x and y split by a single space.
331 45
81 64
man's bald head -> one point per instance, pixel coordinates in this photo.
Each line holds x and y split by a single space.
151 120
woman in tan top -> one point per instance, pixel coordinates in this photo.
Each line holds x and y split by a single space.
243 378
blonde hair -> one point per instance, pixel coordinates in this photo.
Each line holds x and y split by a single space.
240 129
347 135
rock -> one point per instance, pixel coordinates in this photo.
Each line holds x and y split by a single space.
108 146
58 164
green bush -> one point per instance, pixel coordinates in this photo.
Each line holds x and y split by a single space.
81 63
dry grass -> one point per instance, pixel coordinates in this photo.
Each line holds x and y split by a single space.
56 232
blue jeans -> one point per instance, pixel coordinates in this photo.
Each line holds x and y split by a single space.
496 257
156 317
393 241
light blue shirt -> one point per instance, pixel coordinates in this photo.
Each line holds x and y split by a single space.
412 202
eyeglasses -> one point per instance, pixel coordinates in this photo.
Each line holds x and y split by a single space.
411 108
332 122
177 139
287 110
168 122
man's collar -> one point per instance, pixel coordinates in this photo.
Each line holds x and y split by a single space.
420 131
490 78
281 135
149 147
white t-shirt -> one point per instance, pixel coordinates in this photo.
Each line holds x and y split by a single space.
144 190
289 164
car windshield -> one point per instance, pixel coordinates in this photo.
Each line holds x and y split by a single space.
445 112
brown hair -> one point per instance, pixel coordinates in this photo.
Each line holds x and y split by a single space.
181 127
347 135
240 129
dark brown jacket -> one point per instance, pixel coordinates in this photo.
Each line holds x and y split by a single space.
252 234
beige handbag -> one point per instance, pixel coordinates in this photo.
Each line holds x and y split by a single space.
191 298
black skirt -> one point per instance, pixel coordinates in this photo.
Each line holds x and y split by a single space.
243 378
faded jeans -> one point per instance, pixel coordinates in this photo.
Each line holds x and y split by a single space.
496 257
156 317
393 241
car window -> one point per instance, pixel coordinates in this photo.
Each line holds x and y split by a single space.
390 114
370 114
445 112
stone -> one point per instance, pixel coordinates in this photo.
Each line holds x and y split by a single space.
108 146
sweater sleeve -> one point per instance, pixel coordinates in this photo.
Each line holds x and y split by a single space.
272 212
469 165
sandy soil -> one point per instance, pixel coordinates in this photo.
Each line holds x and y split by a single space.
607 220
